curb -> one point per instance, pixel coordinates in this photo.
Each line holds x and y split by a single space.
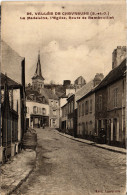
92 144
24 179
20 183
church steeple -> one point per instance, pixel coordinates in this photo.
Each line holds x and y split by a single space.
38 68
38 79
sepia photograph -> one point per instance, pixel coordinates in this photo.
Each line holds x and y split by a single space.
63 97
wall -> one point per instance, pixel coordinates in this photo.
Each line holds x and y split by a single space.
17 99
11 62
62 101
86 118
117 112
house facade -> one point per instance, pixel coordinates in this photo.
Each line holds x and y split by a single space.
70 115
101 111
64 118
85 100
37 113
54 112
86 115
110 104
12 117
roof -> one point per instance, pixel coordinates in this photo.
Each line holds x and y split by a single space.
10 82
114 75
70 95
38 73
63 95
33 95
84 90
64 105
59 94
49 94
11 62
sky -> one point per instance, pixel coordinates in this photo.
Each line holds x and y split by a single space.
68 48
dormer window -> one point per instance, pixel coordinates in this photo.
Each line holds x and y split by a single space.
51 103
43 99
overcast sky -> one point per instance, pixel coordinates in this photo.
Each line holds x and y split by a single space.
68 48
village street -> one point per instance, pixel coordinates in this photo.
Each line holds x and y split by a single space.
68 167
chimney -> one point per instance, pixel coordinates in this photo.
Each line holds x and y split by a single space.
98 78
53 89
118 55
66 83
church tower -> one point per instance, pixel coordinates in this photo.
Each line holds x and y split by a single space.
38 79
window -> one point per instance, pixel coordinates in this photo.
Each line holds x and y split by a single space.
71 123
27 110
90 105
43 111
100 102
11 98
69 108
82 109
2 96
109 93
39 110
51 103
43 99
86 107
72 107
90 122
79 109
54 121
115 100
65 111
35 109
54 112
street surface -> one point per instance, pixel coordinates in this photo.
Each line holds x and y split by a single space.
68 167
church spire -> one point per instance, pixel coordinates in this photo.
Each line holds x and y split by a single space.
38 68
38 72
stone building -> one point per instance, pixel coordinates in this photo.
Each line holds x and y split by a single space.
110 102
37 109
86 108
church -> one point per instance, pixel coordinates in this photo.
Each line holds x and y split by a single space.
42 103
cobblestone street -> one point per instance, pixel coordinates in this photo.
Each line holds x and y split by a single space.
67 167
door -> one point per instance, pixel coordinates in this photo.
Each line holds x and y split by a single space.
114 129
27 123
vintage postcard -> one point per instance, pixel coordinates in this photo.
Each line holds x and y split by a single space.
63 97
